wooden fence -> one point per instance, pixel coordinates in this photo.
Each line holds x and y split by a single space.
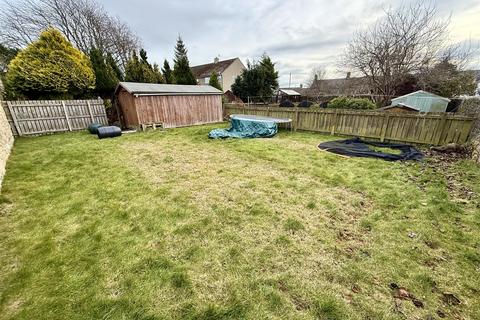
47 116
425 128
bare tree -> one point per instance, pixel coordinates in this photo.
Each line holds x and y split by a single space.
84 22
405 41
449 76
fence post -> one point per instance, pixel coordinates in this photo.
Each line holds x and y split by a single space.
295 127
66 116
385 126
14 118
443 122
90 111
334 122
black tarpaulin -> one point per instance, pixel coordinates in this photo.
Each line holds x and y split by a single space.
357 147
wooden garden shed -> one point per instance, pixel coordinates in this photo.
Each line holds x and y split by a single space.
169 105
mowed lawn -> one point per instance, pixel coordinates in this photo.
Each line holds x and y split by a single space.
172 225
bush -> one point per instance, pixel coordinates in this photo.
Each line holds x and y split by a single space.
286 104
351 103
49 68
305 104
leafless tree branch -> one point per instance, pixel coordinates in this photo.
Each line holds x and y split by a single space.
84 22
405 41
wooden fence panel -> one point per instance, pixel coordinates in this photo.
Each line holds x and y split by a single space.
424 128
47 116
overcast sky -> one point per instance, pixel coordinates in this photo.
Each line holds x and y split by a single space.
298 35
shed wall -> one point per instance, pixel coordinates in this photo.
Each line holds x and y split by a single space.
127 104
177 111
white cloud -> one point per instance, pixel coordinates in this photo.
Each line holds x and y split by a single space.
296 34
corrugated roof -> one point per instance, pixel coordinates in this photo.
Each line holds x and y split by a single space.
206 70
138 88
290 92
421 92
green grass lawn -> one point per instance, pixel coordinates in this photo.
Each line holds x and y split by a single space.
172 225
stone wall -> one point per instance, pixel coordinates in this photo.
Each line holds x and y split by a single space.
6 142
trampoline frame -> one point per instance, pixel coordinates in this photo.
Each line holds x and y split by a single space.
252 117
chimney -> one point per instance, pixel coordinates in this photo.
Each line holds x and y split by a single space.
216 60
349 74
301 85
316 77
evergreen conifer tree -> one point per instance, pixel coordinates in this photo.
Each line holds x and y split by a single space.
110 61
167 72
140 70
49 67
214 81
181 69
105 78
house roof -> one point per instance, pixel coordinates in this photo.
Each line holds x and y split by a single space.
159 89
289 92
340 86
206 70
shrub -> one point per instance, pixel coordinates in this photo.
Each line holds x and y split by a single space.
305 104
286 104
50 68
351 103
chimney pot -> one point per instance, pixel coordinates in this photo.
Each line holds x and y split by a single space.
216 60
349 74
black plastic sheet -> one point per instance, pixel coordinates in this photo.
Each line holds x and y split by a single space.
357 147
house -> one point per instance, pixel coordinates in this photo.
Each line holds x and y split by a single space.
338 87
168 105
227 71
419 101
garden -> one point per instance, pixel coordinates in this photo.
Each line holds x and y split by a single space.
171 225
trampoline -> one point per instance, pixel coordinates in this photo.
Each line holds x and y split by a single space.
252 117
260 118
249 126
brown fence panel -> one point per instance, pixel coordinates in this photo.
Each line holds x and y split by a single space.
47 116
423 128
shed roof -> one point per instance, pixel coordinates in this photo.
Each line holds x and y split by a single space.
159 89
425 93
289 92
206 70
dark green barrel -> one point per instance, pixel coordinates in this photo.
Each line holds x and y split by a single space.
109 132
93 128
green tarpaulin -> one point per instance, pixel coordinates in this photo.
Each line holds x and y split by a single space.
242 127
